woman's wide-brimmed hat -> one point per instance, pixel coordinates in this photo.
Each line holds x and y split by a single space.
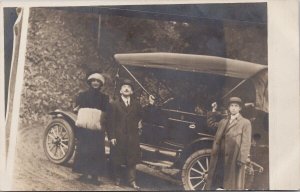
97 76
235 100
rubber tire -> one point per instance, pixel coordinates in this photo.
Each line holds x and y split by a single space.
70 131
188 163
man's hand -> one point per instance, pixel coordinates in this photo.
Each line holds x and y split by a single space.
151 99
113 141
214 106
248 160
140 124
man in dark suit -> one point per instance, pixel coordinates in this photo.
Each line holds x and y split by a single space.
124 116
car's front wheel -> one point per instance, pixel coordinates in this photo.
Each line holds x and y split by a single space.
59 141
195 170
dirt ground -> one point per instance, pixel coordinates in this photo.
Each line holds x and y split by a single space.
33 171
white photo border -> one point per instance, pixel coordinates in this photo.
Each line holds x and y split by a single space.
283 63
2 102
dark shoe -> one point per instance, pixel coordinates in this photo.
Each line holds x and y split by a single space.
134 185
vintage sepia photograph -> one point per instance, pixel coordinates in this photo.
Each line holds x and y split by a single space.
143 97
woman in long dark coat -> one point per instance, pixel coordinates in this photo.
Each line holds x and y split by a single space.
90 149
230 150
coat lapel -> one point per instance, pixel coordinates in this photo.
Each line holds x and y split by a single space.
122 104
234 123
221 130
124 107
131 105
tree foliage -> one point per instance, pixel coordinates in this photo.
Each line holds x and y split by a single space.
63 46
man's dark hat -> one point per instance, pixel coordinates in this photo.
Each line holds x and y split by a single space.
235 100
126 82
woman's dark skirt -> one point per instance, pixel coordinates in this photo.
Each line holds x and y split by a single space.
90 152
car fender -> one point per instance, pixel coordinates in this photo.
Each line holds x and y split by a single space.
204 142
69 116
201 140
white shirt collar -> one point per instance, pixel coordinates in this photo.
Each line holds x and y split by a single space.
234 116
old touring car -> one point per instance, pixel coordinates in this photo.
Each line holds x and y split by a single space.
176 134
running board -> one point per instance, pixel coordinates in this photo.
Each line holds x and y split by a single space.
151 149
165 164
170 143
170 153
166 152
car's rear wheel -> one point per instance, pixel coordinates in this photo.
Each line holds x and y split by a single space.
59 141
195 170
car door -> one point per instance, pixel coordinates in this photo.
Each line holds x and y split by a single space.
182 127
153 126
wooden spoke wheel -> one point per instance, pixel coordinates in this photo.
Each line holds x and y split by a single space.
59 141
195 170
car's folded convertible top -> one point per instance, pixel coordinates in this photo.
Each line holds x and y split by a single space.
193 63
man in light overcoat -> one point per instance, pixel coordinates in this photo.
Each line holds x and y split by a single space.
231 150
